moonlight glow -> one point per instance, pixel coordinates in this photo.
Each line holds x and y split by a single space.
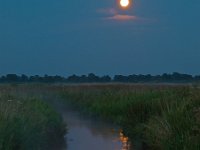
124 3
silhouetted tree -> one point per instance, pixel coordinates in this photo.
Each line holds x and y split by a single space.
120 78
24 78
73 78
105 79
12 78
93 78
90 78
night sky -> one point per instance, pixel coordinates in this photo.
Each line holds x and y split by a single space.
82 36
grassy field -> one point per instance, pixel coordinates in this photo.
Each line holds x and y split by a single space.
28 123
164 117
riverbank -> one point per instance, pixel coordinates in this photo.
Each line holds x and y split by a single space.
28 123
164 117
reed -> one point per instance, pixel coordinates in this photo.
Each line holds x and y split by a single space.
28 124
164 117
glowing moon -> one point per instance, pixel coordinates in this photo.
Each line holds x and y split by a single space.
124 3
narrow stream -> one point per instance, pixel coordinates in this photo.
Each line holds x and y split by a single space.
88 134
85 133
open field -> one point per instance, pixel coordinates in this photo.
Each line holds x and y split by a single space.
163 117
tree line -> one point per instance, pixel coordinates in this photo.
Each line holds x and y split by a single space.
92 78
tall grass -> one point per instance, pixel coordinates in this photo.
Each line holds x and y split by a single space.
28 124
165 117
178 126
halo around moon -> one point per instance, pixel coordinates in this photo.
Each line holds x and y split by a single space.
124 3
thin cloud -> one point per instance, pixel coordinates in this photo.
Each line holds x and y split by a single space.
122 17
108 11
113 14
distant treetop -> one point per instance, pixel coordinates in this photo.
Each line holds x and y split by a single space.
92 78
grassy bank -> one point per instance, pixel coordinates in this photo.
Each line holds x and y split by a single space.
165 117
28 124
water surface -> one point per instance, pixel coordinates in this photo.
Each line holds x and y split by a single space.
85 133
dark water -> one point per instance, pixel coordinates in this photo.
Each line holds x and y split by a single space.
85 133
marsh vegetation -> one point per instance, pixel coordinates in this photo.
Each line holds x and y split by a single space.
160 117
28 122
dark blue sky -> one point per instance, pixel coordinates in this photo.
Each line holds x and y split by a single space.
81 36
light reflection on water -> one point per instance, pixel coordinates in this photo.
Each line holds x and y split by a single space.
88 134
125 141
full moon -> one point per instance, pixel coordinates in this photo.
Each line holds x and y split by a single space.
124 3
